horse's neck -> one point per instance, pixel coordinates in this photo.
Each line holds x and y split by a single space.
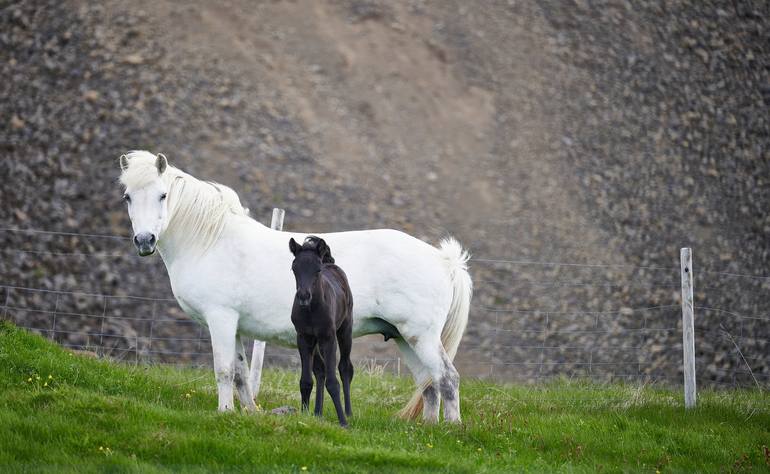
171 247
179 236
175 245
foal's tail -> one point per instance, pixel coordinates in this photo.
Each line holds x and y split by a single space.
462 288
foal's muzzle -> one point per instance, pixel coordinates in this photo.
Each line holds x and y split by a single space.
303 298
145 243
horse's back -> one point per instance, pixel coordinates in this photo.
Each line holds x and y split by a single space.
338 282
394 277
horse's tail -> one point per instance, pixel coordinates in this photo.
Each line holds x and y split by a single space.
462 288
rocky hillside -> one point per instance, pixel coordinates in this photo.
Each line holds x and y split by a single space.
580 133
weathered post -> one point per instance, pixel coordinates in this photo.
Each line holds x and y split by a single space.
688 328
258 354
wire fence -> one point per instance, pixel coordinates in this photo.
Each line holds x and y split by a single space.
601 321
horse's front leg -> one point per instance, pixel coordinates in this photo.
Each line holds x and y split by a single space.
241 378
328 349
222 327
306 346
319 370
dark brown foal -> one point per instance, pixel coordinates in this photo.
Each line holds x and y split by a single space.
322 315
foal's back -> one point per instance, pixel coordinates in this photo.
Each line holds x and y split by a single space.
336 282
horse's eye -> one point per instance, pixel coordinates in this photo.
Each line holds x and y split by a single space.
163 196
127 198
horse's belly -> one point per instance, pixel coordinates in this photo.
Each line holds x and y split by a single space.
283 337
264 321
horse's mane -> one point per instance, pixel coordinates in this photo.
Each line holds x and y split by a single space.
311 243
197 209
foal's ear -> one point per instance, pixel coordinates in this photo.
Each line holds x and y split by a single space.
294 247
161 162
123 162
323 251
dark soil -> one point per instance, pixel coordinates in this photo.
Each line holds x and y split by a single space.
581 132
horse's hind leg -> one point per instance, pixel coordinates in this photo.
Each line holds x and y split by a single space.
450 389
444 375
345 339
319 370
241 378
430 397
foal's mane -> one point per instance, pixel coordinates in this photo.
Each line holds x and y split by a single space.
311 243
197 209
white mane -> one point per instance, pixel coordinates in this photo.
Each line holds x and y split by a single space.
197 209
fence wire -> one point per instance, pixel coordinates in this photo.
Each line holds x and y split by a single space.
507 339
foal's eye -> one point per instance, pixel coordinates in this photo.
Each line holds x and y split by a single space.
163 196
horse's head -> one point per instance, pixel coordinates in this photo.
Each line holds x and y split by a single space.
145 194
308 261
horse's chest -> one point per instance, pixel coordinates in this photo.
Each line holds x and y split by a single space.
313 323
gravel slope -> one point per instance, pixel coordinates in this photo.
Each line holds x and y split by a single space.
613 133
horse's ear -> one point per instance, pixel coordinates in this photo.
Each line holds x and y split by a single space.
123 162
324 252
294 246
161 162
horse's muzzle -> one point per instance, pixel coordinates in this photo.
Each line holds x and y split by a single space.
303 298
303 302
145 243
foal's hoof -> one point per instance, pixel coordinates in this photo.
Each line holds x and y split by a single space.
344 426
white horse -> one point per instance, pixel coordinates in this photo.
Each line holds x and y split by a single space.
233 274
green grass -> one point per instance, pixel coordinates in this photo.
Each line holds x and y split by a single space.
96 415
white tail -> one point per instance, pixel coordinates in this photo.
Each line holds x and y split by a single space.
457 319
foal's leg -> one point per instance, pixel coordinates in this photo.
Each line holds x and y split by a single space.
306 344
222 327
241 378
345 339
329 351
319 370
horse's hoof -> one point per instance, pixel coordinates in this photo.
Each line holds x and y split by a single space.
284 410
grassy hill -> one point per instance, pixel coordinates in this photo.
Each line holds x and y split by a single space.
63 411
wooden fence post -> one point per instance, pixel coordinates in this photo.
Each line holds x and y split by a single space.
688 328
258 353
